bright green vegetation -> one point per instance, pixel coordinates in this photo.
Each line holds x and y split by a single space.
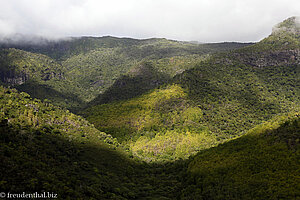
77 70
164 119
139 80
235 96
20 111
263 164
160 125
38 75
237 90
96 70
146 75
227 94
45 148
43 151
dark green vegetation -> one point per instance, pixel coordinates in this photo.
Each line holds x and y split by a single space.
41 153
38 75
160 125
71 73
263 164
220 98
169 119
45 148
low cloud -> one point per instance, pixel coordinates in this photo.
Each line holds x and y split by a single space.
204 21
298 20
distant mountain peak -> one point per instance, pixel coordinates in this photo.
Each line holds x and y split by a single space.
290 25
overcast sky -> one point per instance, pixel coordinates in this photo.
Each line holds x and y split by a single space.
197 20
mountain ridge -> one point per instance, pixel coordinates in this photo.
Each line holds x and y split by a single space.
90 65
219 126
234 91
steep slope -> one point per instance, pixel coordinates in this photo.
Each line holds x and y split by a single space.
19 110
38 75
263 164
233 92
89 66
237 90
160 125
95 71
140 79
46 148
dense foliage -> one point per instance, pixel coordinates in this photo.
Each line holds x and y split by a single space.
160 125
235 96
45 148
95 71
229 93
263 164
77 70
38 156
20 111
170 120
38 75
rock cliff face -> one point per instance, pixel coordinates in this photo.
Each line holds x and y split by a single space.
17 67
14 78
291 25
48 74
273 58
14 75
281 48
11 78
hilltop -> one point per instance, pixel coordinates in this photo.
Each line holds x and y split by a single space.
290 25
162 119
222 96
77 70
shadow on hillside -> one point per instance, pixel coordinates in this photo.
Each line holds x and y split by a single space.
139 80
235 98
42 92
37 160
259 165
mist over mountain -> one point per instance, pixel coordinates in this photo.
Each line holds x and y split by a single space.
190 20
155 118
291 25
20 39
85 67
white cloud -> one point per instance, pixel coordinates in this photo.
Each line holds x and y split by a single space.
202 20
6 28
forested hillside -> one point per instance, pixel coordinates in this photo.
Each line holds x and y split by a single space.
222 97
49 149
158 119
38 75
74 71
263 164
240 88
46 148
160 125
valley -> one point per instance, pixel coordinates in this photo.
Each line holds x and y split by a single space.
122 118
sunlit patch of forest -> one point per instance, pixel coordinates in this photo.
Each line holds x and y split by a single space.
155 118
